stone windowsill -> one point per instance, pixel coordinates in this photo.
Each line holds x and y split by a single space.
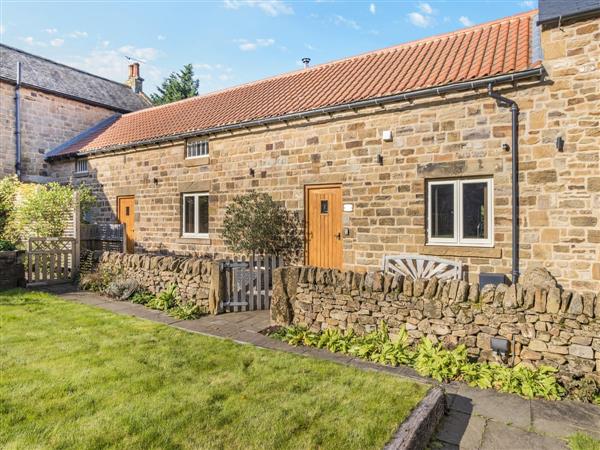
199 241
475 252
200 161
80 174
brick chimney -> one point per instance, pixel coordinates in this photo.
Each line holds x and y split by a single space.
135 81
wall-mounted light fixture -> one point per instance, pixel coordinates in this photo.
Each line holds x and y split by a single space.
380 159
251 172
506 147
499 346
560 144
386 135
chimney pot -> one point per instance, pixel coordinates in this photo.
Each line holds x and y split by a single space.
306 62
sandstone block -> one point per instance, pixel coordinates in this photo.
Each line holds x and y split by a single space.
581 351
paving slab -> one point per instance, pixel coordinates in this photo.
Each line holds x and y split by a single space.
561 419
462 430
499 436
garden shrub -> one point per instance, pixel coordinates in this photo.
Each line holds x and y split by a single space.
98 280
166 300
256 224
431 360
141 297
6 246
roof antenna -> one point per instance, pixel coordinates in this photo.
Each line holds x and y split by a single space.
131 58
306 62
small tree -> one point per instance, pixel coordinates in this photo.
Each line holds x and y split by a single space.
177 87
255 224
40 210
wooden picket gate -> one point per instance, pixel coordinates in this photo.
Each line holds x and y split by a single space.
51 260
249 283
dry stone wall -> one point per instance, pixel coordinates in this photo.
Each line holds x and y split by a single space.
12 270
543 323
194 277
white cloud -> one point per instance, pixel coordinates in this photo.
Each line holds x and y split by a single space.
420 20
1 29
104 44
249 46
141 54
527 4
161 37
466 21
29 40
78 34
426 8
372 8
341 20
271 7
57 42
51 30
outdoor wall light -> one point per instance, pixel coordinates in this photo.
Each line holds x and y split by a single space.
499 346
386 135
380 159
251 172
506 147
560 144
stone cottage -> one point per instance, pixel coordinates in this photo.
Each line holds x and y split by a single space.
421 148
55 103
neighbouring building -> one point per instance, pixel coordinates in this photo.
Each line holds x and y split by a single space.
56 103
401 150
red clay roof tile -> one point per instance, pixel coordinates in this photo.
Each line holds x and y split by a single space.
494 48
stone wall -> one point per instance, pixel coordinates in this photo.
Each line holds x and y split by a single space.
545 324
433 138
197 279
46 122
12 270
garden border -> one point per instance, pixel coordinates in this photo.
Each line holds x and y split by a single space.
416 431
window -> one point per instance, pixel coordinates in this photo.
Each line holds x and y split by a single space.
196 149
81 166
195 215
460 212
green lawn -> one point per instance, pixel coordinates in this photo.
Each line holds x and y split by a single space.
74 376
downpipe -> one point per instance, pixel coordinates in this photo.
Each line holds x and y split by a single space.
18 123
514 109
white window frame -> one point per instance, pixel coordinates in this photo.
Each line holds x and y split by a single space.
198 147
458 238
196 224
81 162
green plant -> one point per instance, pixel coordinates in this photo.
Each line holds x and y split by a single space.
581 441
255 223
98 280
177 86
187 311
430 359
166 300
6 246
141 297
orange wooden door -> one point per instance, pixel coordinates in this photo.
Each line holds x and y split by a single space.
126 216
324 226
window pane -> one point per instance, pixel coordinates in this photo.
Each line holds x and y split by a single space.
188 214
202 214
475 218
442 211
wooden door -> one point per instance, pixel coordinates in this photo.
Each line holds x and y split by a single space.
324 226
126 216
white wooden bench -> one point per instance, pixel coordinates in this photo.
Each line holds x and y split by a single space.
419 266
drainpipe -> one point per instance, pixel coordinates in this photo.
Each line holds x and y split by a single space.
514 109
18 123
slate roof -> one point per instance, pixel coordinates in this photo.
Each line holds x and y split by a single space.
66 81
552 10
495 48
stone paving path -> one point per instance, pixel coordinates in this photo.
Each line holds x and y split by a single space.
476 419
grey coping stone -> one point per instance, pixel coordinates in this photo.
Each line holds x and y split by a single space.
561 419
462 430
498 436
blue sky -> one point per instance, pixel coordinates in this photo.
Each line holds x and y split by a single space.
231 41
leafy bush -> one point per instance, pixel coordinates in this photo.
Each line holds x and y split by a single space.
430 359
28 209
255 223
99 280
6 246
141 297
166 300
122 289
187 311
